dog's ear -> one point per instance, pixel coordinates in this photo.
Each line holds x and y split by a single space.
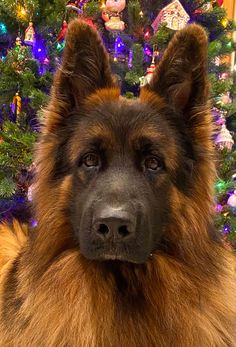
181 77
85 67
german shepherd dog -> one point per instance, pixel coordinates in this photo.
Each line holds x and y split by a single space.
125 253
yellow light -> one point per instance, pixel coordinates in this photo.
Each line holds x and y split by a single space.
103 5
115 59
141 13
21 12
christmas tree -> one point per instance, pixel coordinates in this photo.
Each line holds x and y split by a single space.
135 33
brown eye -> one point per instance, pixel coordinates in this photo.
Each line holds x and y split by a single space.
153 164
91 160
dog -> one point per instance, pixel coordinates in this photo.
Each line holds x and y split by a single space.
125 252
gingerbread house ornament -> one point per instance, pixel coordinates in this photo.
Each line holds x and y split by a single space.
174 15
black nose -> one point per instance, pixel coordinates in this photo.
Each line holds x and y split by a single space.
115 223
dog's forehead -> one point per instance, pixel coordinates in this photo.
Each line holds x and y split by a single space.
126 118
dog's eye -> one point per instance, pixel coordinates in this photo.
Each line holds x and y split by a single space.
153 164
91 160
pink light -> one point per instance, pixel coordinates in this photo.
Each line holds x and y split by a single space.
46 61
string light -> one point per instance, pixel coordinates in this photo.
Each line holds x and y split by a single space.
3 28
220 185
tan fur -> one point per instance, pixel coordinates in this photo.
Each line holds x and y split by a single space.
184 296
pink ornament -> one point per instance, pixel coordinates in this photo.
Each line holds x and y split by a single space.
115 5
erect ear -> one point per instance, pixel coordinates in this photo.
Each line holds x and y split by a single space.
85 67
181 77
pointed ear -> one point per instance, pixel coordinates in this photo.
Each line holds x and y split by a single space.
181 77
85 68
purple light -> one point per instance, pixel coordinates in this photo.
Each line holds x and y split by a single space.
39 50
226 230
130 62
147 50
119 45
218 208
34 223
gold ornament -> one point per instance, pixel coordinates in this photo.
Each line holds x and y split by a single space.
18 41
17 104
224 22
115 24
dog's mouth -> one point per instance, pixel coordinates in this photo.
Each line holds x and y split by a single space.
120 258
117 256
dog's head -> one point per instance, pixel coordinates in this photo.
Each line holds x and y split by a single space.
120 172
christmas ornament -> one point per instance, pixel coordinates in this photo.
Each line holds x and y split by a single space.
224 22
30 193
226 99
90 22
232 200
30 35
62 33
224 139
73 6
174 15
16 104
105 16
198 11
207 7
115 24
219 2
115 6
150 71
18 41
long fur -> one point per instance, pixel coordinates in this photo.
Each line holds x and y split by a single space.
184 296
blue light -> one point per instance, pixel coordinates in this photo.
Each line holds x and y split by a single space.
3 28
